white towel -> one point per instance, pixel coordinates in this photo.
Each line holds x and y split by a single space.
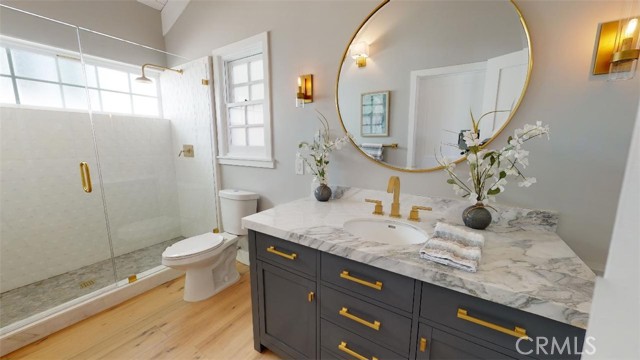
373 150
454 246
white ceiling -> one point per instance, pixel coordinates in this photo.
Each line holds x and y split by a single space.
156 4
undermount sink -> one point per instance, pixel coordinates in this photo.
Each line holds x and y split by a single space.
386 231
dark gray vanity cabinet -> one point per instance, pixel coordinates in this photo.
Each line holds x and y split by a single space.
309 304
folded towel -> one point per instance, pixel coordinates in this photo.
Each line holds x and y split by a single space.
454 246
373 150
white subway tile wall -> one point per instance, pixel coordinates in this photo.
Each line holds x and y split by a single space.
49 225
188 104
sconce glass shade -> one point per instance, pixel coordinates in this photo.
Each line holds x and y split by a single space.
360 52
626 50
304 95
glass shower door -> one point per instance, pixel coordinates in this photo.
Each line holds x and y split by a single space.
156 193
54 242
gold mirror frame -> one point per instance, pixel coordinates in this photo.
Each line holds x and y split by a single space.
515 108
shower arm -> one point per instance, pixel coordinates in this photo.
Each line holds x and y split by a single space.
179 71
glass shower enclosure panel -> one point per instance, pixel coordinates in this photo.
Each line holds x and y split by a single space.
54 243
152 119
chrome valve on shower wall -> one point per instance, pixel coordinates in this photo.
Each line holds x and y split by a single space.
187 151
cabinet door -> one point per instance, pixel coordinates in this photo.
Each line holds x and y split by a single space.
435 344
287 311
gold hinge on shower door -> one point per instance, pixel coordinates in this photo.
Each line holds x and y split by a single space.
205 82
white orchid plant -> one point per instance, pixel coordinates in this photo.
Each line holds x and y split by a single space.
490 169
316 153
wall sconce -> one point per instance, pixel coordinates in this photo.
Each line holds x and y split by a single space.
618 49
305 90
360 52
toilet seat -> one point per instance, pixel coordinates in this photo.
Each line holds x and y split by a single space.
193 246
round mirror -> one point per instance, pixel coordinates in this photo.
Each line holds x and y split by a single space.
415 70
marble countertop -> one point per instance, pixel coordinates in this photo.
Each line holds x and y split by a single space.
524 264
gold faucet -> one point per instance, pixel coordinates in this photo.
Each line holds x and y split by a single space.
394 187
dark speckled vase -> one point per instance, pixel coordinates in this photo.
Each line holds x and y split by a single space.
322 193
476 216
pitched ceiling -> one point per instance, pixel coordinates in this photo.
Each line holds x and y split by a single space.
156 4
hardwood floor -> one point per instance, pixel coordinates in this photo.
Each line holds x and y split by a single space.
160 325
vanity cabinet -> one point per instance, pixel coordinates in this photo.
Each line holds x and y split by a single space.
308 304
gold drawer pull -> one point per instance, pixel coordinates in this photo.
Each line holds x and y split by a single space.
517 331
345 275
272 249
343 347
375 325
423 344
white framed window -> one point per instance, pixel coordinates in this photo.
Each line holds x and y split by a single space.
243 103
42 76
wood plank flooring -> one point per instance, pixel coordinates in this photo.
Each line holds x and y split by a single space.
160 325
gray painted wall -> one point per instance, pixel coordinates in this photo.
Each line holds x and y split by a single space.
126 19
579 171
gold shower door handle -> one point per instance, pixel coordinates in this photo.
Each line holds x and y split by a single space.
85 176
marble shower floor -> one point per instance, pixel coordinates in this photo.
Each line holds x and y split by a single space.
28 300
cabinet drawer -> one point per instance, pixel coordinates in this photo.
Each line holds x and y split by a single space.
292 256
377 284
350 346
487 320
370 321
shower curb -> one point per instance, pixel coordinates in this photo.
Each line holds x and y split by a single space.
74 313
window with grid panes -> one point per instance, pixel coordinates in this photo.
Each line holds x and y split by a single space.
241 81
47 77
245 98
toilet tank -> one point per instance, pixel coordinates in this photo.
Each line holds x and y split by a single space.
234 205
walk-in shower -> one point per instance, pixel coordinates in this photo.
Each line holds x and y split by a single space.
68 96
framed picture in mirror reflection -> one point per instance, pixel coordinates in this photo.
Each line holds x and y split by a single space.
374 114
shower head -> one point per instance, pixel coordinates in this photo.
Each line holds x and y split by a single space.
146 80
143 79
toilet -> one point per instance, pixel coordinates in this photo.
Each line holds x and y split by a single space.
209 260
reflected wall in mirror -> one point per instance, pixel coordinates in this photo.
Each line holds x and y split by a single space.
438 60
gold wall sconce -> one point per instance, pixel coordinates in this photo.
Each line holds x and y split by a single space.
360 52
618 49
305 90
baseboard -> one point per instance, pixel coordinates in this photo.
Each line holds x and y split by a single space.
75 311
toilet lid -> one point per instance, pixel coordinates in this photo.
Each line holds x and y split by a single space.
194 245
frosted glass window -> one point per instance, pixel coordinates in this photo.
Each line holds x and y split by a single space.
143 105
94 97
7 95
71 71
75 97
257 92
4 62
115 102
238 137
254 114
239 73
236 115
92 77
256 136
39 93
240 93
143 88
257 72
113 79
32 65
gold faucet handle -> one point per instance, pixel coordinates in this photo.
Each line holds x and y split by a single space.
413 215
378 209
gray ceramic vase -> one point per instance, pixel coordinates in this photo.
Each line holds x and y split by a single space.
476 216
322 193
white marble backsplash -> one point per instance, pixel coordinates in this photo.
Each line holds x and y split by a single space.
525 264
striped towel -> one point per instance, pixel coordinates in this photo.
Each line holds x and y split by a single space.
373 150
454 246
